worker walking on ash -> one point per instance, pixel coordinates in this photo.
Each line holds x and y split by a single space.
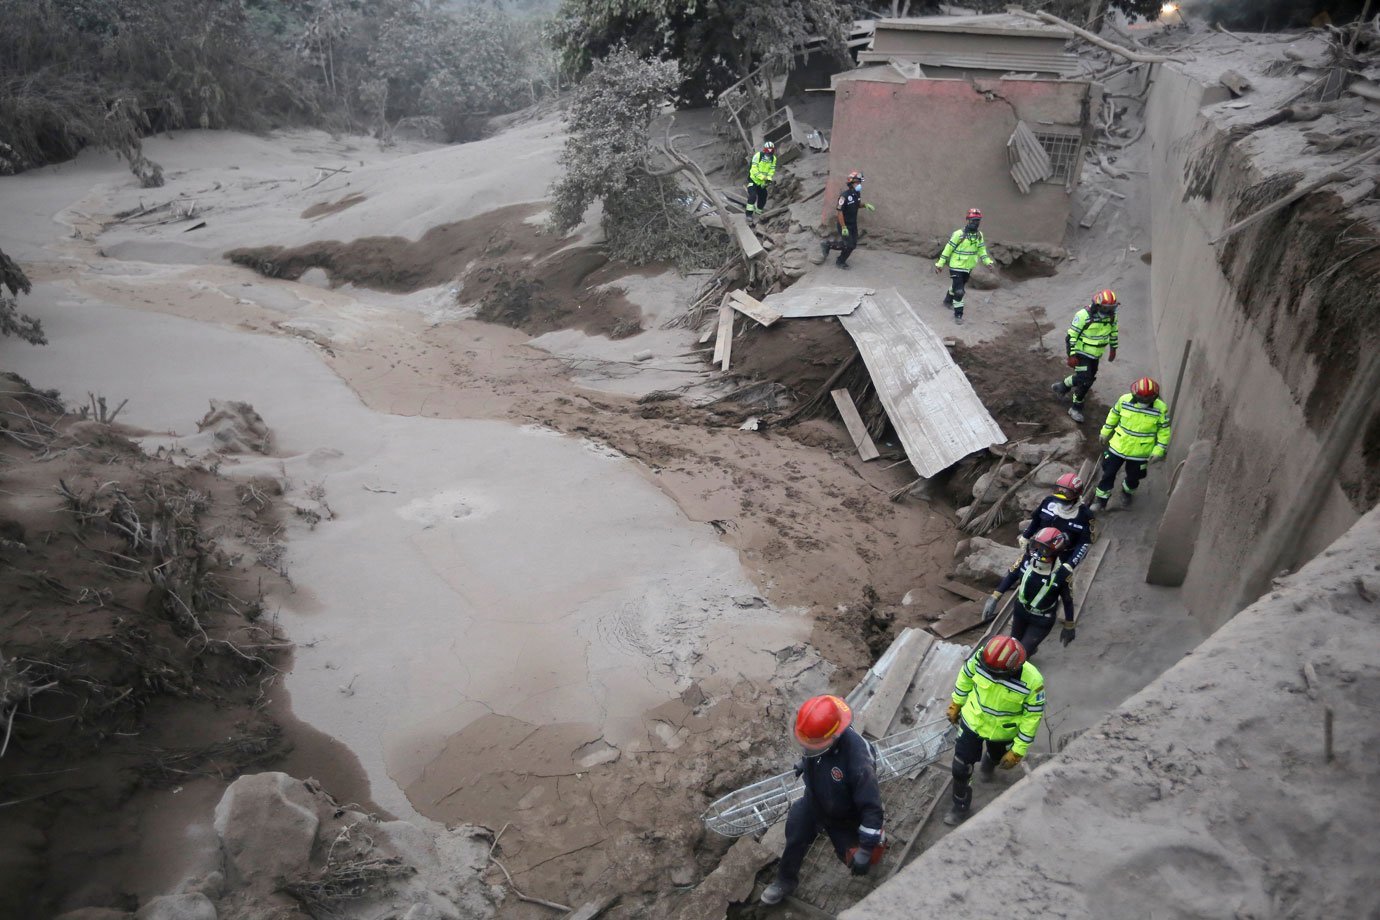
961 254
761 174
1063 510
1135 435
847 216
841 795
998 702
1092 334
1042 580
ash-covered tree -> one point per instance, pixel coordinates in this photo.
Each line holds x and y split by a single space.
716 42
12 322
606 159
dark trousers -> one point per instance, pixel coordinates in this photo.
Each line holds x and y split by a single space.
958 282
1081 380
1135 472
802 827
849 242
1030 629
968 751
757 197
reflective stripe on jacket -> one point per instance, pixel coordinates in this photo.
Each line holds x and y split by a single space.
1001 709
1137 432
963 251
763 169
1092 333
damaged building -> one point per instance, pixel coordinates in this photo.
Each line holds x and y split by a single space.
1008 103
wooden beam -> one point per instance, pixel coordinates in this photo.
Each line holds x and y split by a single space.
1087 36
962 590
724 343
876 714
957 619
1087 571
750 306
854 423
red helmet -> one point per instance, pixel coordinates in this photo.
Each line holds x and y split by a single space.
1049 542
855 176
1069 488
1105 298
974 214
1003 655
768 146
1145 389
819 722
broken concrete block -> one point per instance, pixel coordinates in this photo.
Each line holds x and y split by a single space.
730 883
987 561
1234 82
178 907
1028 497
1049 474
267 826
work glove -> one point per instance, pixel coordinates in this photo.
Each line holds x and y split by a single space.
1156 458
989 609
988 262
1111 353
869 206
845 233
861 862
1022 540
1010 759
938 268
1103 439
1067 635
952 714
1072 361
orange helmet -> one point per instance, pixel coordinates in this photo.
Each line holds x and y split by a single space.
855 176
974 214
820 721
1003 655
1145 389
1069 488
1049 543
1105 298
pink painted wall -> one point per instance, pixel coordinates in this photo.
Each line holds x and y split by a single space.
931 149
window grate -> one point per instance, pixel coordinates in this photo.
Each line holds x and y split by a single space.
1063 152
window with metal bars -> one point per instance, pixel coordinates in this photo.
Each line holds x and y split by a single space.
1063 151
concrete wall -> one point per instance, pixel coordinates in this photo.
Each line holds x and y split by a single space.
1268 364
932 149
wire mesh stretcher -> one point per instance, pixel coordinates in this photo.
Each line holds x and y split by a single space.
758 806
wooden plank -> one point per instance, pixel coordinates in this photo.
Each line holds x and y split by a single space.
725 332
1094 212
854 423
751 306
727 338
957 619
876 715
962 590
1086 572
747 240
803 302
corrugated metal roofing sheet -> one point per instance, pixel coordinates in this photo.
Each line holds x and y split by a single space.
928 399
1030 162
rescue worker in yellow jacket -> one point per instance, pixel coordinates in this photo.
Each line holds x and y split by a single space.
961 254
1135 434
761 174
998 702
1092 334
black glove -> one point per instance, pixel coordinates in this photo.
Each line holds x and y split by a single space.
989 609
862 861
800 767
1068 634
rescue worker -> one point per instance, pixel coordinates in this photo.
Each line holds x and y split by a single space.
1042 581
841 795
847 215
1062 510
1092 334
998 702
761 174
1135 434
961 256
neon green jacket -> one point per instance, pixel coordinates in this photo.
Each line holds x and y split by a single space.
963 251
1137 432
1001 709
1091 333
763 169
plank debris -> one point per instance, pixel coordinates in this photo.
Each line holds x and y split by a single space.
750 306
854 423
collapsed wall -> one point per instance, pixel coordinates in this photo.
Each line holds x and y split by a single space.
1211 793
1281 316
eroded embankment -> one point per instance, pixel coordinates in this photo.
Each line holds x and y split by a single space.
1281 317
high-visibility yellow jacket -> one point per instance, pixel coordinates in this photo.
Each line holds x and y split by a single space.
1092 333
1001 708
1135 431
763 169
963 251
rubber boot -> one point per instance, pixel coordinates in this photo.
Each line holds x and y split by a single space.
958 317
824 249
776 892
1127 498
1099 504
958 811
1059 387
1076 414
949 299
988 767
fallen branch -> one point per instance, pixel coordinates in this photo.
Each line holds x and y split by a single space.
989 518
518 891
1281 204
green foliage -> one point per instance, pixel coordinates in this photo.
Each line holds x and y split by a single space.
606 159
715 41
